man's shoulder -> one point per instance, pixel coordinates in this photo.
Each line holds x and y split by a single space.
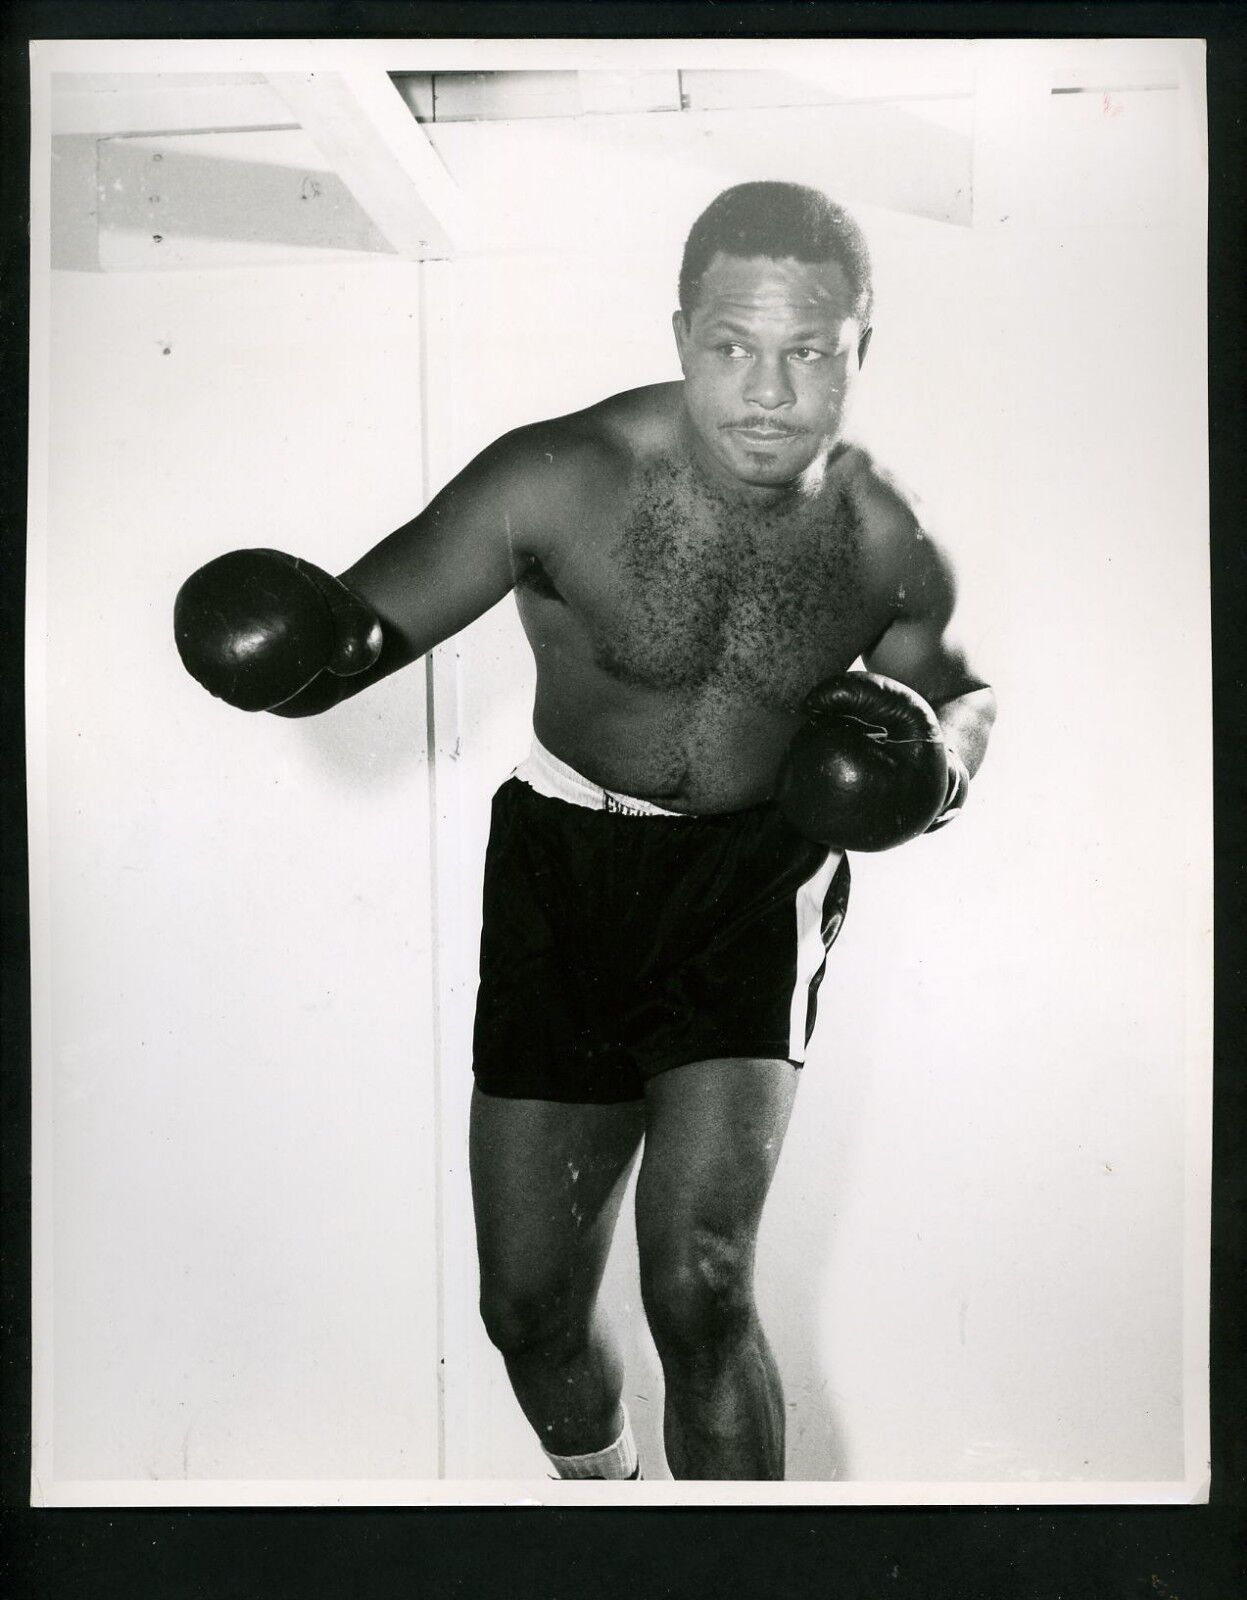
569 473
900 541
641 421
887 506
616 433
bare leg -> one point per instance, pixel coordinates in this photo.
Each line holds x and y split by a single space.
713 1135
547 1182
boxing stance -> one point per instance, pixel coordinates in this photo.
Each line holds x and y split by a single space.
697 565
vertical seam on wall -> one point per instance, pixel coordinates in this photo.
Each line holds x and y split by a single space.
430 726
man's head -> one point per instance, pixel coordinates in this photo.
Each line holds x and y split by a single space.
774 320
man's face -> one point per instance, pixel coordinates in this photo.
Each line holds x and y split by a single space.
769 352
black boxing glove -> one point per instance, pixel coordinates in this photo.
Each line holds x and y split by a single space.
958 789
869 767
255 627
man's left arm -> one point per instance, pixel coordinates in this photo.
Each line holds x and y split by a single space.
921 647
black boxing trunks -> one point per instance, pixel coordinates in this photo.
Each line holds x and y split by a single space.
620 940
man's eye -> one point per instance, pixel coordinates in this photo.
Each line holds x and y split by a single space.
807 355
734 352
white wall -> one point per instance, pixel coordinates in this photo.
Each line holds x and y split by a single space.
239 1029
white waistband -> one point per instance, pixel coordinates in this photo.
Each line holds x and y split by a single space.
557 781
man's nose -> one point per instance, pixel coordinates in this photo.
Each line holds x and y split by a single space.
768 384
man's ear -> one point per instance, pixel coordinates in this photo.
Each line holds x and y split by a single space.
680 328
863 344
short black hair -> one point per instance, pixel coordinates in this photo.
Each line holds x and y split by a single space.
777 220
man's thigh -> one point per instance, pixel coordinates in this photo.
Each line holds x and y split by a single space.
713 1134
547 1181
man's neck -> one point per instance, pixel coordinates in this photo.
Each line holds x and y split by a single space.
722 488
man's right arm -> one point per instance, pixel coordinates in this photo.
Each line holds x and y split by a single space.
421 584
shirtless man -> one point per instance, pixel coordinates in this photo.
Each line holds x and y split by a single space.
690 561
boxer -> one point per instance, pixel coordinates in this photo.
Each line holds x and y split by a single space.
697 565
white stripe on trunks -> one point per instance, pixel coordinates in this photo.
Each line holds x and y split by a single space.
811 952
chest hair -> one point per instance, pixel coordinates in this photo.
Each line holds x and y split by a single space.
709 593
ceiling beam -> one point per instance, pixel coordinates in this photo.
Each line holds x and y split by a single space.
369 137
125 108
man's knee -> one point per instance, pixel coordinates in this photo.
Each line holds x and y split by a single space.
698 1292
523 1319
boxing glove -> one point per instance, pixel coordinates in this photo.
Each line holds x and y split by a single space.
255 627
868 768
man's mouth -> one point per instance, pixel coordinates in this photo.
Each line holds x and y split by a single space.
752 430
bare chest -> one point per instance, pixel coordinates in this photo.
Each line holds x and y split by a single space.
758 607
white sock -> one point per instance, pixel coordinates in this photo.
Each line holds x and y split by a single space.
617 1461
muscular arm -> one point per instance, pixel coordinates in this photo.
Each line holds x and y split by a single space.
919 646
445 567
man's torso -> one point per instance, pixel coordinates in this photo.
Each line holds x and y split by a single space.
676 628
